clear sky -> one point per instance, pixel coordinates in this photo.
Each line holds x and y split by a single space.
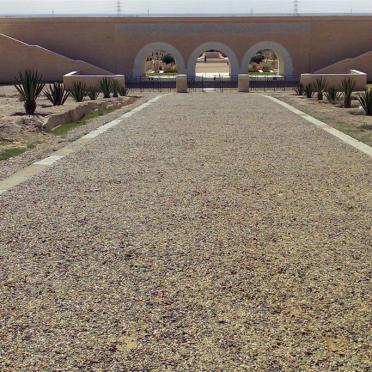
181 6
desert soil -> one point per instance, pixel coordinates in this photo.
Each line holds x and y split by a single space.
350 121
208 232
18 130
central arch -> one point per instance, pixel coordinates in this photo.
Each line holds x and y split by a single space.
285 60
139 62
234 64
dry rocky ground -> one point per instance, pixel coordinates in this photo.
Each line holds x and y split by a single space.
208 232
19 131
350 121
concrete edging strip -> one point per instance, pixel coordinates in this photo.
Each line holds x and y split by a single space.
38 166
340 135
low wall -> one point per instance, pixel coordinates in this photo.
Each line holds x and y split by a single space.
335 80
91 81
80 111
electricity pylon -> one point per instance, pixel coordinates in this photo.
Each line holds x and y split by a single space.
118 7
295 7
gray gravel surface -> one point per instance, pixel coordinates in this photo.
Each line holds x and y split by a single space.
208 232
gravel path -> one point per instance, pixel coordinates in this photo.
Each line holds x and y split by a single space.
208 232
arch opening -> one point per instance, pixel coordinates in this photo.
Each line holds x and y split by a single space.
158 61
212 64
265 63
268 59
160 64
211 60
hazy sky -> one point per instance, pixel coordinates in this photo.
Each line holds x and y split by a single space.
181 6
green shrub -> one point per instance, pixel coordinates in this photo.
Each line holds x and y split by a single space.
258 58
105 84
29 86
320 86
78 91
123 91
115 88
332 94
300 89
365 101
168 59
56 94
92 93
309 90
347 87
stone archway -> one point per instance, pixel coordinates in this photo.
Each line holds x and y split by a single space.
285 59
139 62
234 64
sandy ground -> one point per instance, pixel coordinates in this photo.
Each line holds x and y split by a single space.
208 232
18 129
48 143
350 121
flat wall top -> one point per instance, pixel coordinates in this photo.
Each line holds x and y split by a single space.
183 19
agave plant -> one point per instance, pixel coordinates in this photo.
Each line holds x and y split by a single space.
320 87
300 89
78 91
365 101
106 87
92 93
332 94
309 90
29 86
347 87
56 94
115 88
123 91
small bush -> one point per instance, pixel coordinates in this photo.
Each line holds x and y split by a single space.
168 59
115 88
170 69
56 94
92 93
347 87
123 91
29 86
365 101
78 91
300 89
320 87
332 94
253 67
309 90
258 58
106 87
